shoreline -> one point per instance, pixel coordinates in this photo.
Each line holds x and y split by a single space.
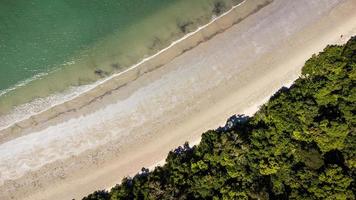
148 64
193 93
58 113
99 64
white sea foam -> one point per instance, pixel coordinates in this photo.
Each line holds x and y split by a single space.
33 78
23 83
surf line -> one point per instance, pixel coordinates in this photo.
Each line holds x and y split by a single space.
100 82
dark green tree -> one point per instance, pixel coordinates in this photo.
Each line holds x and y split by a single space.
299 145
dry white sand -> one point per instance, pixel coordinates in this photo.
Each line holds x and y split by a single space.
136 125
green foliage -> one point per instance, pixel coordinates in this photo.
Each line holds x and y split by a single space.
300 145
98 195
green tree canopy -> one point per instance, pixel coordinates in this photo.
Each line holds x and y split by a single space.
299 145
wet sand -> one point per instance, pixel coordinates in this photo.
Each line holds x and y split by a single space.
135 124
11 130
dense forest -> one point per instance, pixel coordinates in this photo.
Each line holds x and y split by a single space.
299 145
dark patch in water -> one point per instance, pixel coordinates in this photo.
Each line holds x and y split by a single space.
185 27
219 8
101 73
156 43
115 65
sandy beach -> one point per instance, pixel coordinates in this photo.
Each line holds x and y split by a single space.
232 66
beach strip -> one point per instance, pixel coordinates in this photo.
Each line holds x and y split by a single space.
234 72
105 86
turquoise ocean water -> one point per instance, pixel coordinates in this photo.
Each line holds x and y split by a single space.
48 46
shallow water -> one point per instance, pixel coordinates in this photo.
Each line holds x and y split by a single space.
48 47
